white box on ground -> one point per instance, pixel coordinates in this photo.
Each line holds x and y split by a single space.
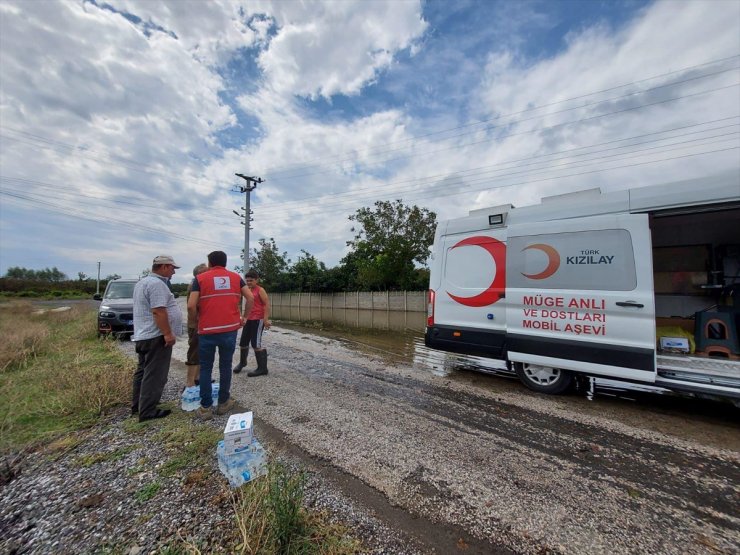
238 432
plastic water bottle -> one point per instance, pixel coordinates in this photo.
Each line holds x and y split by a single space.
190 398
246 465
214 393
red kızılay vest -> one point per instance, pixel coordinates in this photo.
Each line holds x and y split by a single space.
218 303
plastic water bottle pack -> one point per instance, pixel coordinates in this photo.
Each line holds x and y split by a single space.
248 463
190 398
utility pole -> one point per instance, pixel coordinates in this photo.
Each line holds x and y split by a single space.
249 186
97 288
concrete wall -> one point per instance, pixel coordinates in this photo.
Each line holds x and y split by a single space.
403 301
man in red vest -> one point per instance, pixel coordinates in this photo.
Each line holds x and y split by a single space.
214 299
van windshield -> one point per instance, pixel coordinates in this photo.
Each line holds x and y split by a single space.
120 291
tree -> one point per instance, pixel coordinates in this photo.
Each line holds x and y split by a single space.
111 277
53 275
390 242
308 273
82 276
270 264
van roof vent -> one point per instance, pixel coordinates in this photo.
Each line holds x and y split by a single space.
570 197
501 209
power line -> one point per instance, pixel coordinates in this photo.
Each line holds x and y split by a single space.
76 195
135 165
392 189
272 172
63 210
539 130
439 190
126 163
476 175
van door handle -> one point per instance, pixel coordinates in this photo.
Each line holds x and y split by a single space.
630 303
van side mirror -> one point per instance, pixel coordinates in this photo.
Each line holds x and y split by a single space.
176 295
98 297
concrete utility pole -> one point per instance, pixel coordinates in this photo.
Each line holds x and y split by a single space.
97 287
248 187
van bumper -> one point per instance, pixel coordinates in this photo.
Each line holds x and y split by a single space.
467 341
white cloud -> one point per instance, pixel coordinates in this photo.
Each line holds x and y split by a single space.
340 48
97 105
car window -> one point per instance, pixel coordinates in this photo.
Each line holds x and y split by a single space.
120 291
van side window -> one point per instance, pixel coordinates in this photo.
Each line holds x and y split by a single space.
585 260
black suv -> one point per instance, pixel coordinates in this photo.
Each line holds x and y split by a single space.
116 312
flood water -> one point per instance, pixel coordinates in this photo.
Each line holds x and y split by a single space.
395 335
398 337
396 320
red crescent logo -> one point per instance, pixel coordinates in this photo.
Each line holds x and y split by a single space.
222 281
492 294
553 261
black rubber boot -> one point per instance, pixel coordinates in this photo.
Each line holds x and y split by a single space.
261 357
243 352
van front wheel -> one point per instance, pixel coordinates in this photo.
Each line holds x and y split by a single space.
543 378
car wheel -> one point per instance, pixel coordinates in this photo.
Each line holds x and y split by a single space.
544 379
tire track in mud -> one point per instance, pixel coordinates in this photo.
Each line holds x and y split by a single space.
678 479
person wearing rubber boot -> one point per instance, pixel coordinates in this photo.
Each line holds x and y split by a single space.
258 320
214 298
192 362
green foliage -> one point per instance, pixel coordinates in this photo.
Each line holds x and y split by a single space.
270 264
389 252
47 274
308 273
23 287
390 241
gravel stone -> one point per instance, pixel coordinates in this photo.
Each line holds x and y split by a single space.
413 461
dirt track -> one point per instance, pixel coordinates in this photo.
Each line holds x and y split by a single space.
478 463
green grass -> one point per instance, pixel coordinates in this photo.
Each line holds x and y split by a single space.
64 382
115 455
58 379
188 443
147 492
271 519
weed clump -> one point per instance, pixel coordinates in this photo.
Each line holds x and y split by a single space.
271 519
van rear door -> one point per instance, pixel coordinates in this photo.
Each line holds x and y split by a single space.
579 295
468 279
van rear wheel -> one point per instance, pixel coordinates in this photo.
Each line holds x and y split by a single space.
544 379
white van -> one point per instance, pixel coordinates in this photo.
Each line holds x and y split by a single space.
640 285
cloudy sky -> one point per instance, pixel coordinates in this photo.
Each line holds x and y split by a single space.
122 123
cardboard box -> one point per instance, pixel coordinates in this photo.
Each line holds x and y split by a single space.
238 433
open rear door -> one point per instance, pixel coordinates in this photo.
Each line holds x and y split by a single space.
579 296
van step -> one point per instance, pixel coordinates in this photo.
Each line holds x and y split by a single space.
700 369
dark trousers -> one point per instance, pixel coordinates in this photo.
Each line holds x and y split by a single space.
208 344
151 375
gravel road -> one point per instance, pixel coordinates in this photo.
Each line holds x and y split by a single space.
514 470
469 463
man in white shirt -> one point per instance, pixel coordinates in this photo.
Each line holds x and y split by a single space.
157 320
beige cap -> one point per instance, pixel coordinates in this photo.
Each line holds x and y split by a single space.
165 259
